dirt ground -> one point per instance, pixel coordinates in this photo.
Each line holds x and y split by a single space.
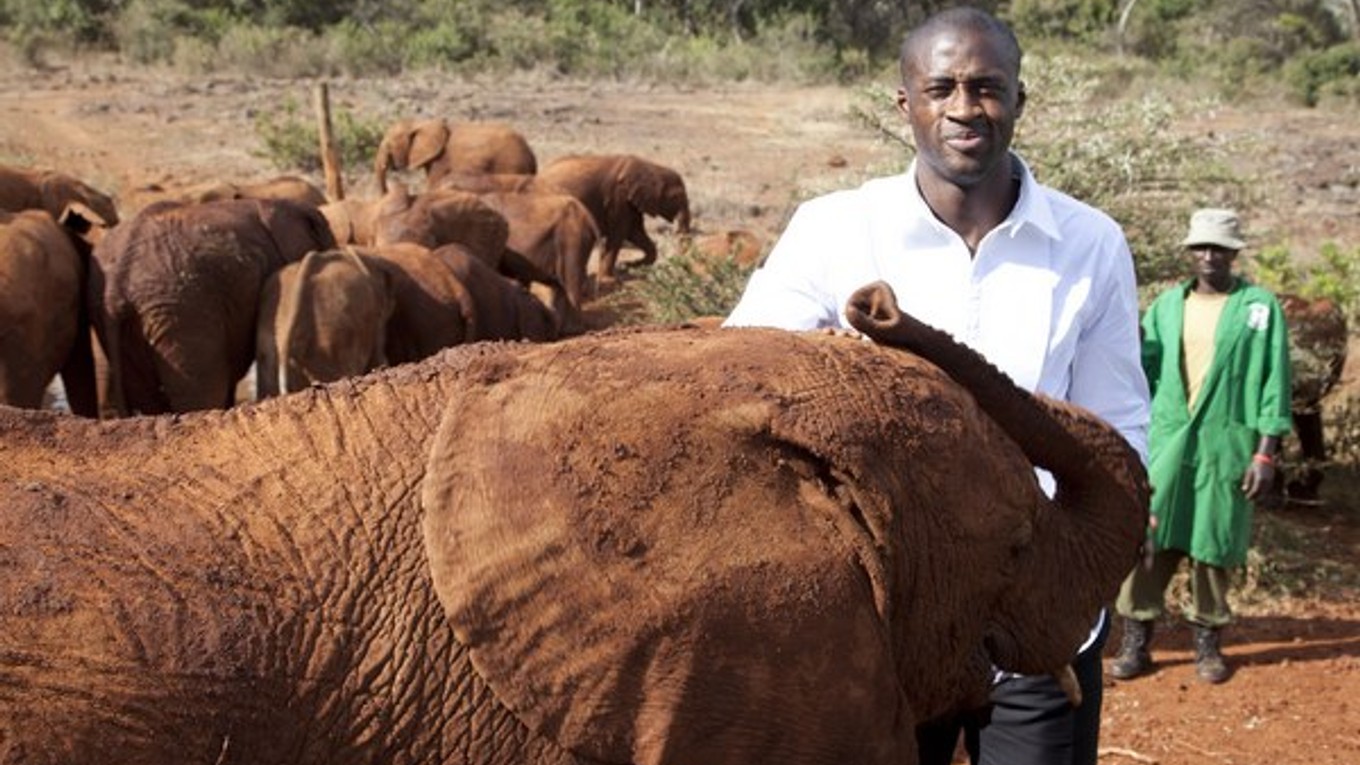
748 152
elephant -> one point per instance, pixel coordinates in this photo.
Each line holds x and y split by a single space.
289 187
341 313
554 231
44 324
508 308
430 219
325 317
174 294
482 183
619 189
1318 338
655 546
57 193
443 147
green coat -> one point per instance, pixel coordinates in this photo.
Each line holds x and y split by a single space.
1196 460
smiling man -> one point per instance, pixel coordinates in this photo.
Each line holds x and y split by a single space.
1038 282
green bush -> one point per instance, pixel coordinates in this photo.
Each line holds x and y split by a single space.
681 286
292 142
1316 74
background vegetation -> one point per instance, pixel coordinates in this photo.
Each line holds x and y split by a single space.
1309 44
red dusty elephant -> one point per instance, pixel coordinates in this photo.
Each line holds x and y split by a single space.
341 313
656 546
619 190
174 294
1318 339
430 219
444 147
322 319
554 231
44 324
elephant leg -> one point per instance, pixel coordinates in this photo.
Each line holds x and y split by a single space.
605 270
1313 450
638 237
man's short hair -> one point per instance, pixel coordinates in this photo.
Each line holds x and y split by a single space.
961 17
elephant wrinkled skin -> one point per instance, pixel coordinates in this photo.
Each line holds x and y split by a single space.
661 546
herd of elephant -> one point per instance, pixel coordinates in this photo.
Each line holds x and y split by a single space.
167 310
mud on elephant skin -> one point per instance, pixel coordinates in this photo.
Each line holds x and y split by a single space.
767 547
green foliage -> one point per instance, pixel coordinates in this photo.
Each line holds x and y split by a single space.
685 285
1334 274
1080 20
1332 72
292 141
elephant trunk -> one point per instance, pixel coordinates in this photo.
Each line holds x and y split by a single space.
1089 534
682 220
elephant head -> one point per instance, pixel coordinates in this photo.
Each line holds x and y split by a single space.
409 143
322 319
850 564
1092 527
57 193
655 190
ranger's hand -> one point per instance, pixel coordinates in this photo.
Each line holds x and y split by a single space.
1260 476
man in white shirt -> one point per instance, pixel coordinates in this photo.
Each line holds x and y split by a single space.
1039 283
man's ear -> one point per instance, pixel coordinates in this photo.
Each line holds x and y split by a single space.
902 100
1020 99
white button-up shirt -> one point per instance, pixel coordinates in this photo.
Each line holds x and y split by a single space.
1049 297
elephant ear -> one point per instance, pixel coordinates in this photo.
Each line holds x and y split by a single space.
428 139
61 193
640 184
668 577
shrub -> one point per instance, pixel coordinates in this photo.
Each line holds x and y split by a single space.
292 141
1335 71
683 285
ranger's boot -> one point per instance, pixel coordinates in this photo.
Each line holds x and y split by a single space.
1133 659
1209 664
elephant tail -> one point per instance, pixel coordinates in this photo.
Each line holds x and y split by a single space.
290 310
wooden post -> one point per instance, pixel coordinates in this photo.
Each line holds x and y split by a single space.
330 155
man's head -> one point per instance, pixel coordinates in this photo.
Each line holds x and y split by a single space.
1214 239
961 93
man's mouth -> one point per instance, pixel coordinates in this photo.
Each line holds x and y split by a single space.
966 141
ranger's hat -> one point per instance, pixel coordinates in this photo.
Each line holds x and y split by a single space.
1217 227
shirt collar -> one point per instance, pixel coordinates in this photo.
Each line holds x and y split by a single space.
1031 209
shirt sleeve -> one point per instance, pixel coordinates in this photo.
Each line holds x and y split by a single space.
1275 417
1107 368
788 291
